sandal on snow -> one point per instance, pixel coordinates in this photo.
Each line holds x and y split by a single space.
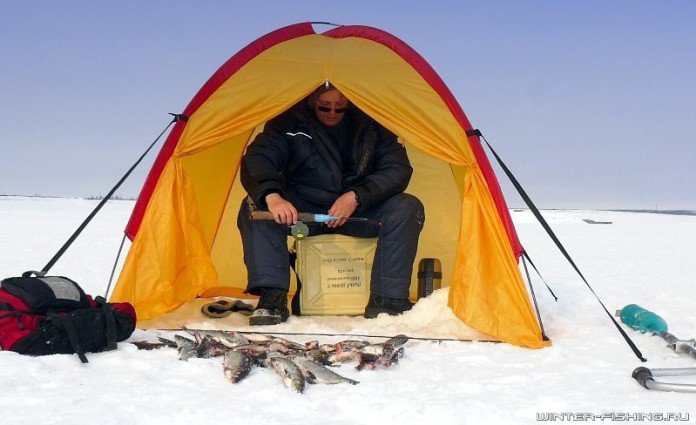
224 308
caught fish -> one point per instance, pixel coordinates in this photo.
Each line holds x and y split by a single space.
396 341
295 363
383 361
167 342
264 360
343 356
351 344
267 339
209 347
290 372
148 345
316 373
277 346
267 346
261 352
290 344
186 347
312 345
346 351
329 348
319 356
228 339
386 348
257 337
253 349
237 365
384 354
394 358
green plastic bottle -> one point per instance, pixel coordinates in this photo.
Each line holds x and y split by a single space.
640 319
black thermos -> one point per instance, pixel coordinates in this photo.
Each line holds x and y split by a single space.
429 276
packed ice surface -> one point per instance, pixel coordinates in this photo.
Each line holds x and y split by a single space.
647 259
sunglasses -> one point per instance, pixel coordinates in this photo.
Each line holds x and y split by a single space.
329 109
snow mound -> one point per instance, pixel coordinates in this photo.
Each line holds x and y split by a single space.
429 318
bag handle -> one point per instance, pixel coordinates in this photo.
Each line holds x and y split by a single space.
28 273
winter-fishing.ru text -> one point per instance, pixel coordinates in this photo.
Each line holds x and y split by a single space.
615 416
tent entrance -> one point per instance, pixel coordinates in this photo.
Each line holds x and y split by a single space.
215 181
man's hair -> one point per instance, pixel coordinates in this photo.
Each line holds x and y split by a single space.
312 98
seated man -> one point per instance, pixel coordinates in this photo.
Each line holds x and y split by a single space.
323 156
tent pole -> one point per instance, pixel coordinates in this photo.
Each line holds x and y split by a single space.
536 306
531 263
113 270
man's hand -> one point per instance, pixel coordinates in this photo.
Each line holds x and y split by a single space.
283 211
344 207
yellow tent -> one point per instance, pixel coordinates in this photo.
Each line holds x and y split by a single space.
185 240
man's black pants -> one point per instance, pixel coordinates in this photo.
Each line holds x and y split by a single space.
402 216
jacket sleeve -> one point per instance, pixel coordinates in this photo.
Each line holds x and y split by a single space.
392 171
264 164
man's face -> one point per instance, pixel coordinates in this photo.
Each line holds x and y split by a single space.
332 100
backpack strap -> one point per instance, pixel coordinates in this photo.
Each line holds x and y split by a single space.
10 312
71 332
110 323
16 314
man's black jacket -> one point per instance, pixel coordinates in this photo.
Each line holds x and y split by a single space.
295 155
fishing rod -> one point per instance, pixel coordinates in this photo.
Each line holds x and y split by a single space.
300 230
334 334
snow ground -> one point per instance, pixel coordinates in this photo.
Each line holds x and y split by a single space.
647 259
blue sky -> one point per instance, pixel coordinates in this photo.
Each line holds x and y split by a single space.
592 104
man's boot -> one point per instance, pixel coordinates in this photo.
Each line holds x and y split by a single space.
392 306
272 307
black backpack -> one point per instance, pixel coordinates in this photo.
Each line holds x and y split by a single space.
53 315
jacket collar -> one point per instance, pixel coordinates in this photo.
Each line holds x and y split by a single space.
305 117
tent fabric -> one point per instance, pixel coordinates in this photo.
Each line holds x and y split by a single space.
184 240
429 75
222 74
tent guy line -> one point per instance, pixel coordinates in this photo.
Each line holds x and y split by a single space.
81 227
558 243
